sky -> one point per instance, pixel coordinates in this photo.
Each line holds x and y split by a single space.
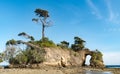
95 21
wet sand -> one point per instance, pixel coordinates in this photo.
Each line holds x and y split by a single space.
74 70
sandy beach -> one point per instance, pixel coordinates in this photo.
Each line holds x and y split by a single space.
29 71
56 71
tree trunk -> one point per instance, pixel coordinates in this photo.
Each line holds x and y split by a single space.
43 30
30 44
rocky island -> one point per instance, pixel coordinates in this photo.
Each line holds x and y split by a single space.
45 57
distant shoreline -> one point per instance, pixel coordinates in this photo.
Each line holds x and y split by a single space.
112 66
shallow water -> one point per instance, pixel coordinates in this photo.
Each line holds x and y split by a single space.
112 66
97 72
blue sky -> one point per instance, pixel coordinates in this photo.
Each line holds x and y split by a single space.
95 21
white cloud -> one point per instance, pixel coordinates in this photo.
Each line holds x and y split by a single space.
95 10
113 29
113 16
111 58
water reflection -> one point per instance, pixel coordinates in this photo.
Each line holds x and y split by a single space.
97 72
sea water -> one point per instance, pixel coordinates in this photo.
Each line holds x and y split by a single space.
112 66
97 72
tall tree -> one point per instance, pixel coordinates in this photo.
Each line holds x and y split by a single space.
78 44
42 17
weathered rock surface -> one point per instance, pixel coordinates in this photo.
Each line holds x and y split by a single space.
66 57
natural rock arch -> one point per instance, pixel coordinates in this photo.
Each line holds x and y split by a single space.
96 59
86 53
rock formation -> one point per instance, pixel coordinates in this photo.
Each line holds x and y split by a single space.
64 57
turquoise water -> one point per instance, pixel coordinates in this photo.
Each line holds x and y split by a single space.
112 66
95 72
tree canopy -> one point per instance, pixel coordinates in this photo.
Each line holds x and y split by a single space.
78 44
26 36
42 17
41 13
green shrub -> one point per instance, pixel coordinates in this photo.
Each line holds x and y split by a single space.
96 58
13 61
63 44
22 58
38 55
1 60
44 43
29 56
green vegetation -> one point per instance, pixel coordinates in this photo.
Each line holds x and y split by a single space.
96 58
45 42
28 56
97 55
42 17
1 57
11 42
63 44
27 36
78 44
1 60
34 51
